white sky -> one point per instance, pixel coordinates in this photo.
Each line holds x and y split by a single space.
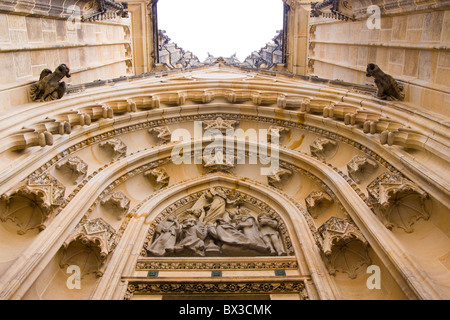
220 27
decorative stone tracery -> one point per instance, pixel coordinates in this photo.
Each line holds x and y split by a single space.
397 201
344 247
30 205
90 243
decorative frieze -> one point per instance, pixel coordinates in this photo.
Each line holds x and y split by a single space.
280 263
397 201
211 287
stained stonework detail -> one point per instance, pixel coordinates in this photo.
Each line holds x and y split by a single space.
116 147
219 225
323 148
75 167
158 177
279 177
360 167
397 201
91 241
343 246
317 202
159 287
30 205
118 202
163 134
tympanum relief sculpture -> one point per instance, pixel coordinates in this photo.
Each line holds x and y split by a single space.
217 225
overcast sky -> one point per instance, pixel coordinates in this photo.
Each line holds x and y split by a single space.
220 27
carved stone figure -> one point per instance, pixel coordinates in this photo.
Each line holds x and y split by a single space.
220 124
388 88
116 146
166 237
249 227
268 227
49 86
276 179
226 232
192 236
360 167
218 204
74 167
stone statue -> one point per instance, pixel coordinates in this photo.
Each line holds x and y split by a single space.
388 88
268 227
218 205
249 227
192 237
166 237
49 86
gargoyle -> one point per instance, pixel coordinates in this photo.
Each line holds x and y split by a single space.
49 86
388 88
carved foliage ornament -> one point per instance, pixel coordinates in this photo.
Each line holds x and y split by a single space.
117 148
163 134
73 166
117 201
323 148
220 124
30 205
158 177
281 175
360 167
316 201
397 201
344 247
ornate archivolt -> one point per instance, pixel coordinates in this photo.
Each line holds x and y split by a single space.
309 117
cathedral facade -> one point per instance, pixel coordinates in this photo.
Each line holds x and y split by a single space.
316 169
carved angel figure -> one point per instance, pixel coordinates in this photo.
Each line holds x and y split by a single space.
49 86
